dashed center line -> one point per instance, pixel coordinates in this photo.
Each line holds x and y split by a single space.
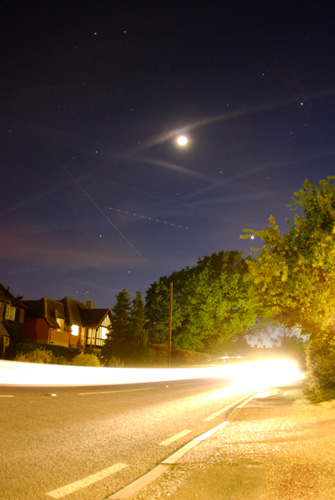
87 481
6 396
175 438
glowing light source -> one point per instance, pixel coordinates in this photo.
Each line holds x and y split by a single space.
75 330
267 372
182 140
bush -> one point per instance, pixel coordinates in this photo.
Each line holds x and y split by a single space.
113 361
180 357
320 355
60 360
140 357
37 356
57 350
86 360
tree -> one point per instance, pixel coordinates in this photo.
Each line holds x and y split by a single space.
117 343
140 350
138 322
293 274
210 304
128 338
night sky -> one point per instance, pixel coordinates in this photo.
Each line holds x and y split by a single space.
95 193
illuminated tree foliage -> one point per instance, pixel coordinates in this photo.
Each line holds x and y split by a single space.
210 304
294 273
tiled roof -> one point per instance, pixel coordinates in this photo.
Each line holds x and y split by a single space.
71 310
46 308
6 296
93 317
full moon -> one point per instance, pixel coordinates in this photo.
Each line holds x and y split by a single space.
182 140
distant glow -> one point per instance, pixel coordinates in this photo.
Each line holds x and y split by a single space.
268 372
182 140
250 375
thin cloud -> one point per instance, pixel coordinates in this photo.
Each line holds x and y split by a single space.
37 245
270 106
264 167
169 166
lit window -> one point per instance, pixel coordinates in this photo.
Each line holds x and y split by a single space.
75 330
10 313
90 336
104 332
60 323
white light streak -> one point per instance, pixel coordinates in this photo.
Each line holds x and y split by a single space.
246 375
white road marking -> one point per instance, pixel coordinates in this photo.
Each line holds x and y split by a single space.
150 476
140 483
112 392
217 413
87 481
172 459
174 438
211 431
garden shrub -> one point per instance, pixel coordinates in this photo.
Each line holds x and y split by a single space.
320 356
37 356
57 350
86 360
113 361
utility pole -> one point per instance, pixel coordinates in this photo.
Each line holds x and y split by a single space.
170 325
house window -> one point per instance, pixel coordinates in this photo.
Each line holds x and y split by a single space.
60 323
90 339
75 330
10 313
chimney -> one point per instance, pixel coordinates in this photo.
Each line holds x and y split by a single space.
89 304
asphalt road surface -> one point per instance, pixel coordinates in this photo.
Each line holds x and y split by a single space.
88 442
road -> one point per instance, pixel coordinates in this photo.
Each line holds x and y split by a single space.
88 442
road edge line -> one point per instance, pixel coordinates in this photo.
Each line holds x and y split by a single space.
147 478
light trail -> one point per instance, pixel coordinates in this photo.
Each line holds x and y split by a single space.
246 375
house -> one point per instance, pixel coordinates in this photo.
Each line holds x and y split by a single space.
66 322
12 312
